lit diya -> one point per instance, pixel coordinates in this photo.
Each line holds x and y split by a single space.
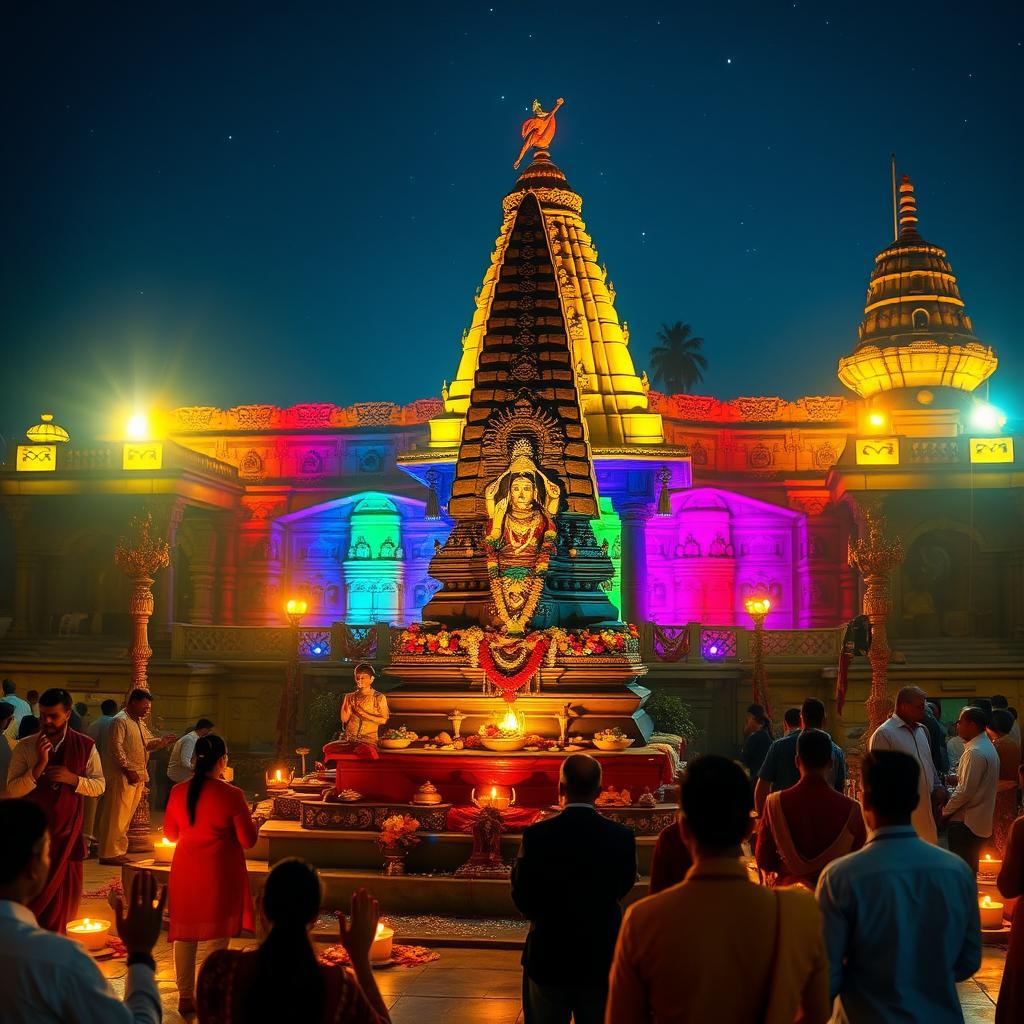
505 733
991 913
279 778
163 852
501 798
91 932
380 950
989 867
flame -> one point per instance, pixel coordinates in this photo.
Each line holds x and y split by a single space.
88 925
166 842
494 792
510 722
380 929
277 776
986 901
988 856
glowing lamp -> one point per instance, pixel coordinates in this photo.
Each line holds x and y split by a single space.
499 797
987 418
714 652
990 911
137 427
316 650
295 608
380 950
90 932
877 420
757 605
46 431
989 867
279 778
163 852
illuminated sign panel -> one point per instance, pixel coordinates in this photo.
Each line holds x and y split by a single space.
991 449
36 458
878 451
143 455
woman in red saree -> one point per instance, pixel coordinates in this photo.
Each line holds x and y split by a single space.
1010 1007
209 898
239 987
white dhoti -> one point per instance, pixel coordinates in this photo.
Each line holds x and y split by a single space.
120 802
91 809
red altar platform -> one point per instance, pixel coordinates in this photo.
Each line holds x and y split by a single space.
397 774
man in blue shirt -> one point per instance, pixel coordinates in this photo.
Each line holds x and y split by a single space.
901 915
779 770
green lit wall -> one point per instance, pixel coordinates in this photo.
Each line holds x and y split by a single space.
609 528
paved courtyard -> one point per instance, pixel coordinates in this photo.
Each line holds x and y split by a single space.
468 985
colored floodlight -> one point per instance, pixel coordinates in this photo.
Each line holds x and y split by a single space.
137 427
987 418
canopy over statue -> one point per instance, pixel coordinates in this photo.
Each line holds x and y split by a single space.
539 130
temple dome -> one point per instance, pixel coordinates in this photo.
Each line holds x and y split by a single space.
614 399
916 331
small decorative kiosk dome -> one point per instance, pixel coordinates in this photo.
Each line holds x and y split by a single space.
47 432
916 332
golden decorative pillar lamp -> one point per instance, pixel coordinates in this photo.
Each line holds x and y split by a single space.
295 609
875 556
758 608
140 560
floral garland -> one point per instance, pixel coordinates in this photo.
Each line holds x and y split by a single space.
508 665
517 625
583 643
415 640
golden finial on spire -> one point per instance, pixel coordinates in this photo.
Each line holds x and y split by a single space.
908 209
538 130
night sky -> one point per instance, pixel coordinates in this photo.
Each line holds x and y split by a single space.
234 207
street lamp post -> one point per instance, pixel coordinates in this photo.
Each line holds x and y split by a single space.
757 609
140 562
295 608
875 556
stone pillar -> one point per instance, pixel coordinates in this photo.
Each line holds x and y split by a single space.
633 576
202 574
228 551
875 556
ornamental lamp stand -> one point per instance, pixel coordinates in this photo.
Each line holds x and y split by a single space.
140 562
875 556
295 609
757 609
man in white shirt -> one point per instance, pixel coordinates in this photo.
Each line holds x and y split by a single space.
21 709
128 748
905 732
48 979
972 804
179 767
97 731
901 916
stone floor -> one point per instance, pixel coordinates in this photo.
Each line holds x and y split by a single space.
467 985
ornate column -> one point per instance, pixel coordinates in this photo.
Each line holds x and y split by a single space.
757 609
202 574
140 562
633 573
875 556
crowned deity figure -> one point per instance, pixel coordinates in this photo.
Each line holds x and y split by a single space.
520 538
539 130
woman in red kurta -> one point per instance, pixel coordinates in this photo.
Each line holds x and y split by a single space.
209 897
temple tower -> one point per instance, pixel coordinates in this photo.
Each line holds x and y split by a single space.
613 397
525 390
916 333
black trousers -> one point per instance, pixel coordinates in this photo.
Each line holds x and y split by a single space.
964 843
551 1004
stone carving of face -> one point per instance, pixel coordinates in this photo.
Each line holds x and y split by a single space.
522 494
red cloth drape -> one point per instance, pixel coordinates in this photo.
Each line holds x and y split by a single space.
64 809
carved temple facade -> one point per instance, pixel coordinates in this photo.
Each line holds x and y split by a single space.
702 502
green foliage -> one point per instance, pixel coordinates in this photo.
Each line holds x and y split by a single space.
677 363
672 715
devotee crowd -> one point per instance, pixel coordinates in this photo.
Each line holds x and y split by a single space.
775 896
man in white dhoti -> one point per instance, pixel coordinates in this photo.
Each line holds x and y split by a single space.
128 746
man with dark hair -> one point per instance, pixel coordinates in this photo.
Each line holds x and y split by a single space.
21 709
718 947
901 915
807 826
56 769
1000 703
568 879
936 740
129 744
791 721
906 732
365 710
48 979
972 805
779 770
179 767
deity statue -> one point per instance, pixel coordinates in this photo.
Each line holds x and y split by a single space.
520 538
539 130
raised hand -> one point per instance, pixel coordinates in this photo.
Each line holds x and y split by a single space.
139 927
357 934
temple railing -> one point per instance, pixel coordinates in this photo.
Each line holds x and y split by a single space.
698 642
341 642
685 643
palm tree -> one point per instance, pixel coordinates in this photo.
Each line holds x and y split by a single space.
677 362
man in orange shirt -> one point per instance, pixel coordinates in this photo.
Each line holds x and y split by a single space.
717 947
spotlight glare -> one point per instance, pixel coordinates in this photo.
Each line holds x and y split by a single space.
987 418
137 427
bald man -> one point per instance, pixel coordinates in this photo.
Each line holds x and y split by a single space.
905 731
